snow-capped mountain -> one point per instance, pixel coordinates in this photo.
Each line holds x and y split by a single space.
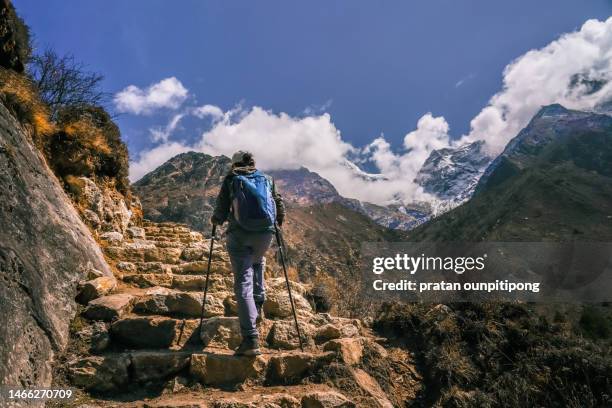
360 173
451 174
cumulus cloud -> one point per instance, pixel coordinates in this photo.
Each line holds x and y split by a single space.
155 157
280 141
574 70
562 72
167 93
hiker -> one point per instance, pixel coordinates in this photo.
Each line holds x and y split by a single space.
248 198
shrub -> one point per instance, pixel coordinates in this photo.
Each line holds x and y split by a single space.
89 144
499 354
594 323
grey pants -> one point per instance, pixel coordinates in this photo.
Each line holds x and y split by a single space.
246 251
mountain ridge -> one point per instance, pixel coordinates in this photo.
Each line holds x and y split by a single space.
552 182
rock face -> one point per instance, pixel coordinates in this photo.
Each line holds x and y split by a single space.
104 208
45 250
451 174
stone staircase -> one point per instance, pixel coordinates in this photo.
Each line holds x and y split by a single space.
141 344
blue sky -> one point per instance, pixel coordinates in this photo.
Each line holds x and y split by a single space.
375 67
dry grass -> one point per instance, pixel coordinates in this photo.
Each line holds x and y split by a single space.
89 134
21 98
499 354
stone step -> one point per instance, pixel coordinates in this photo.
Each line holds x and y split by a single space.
110 307
181 304
181 282
114 372
224 369
157 332
200 267
143 252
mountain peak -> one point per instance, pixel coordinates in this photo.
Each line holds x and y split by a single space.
554 109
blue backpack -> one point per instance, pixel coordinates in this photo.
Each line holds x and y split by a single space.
253 206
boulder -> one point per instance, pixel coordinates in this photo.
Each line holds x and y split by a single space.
327 332
349 330
100 338
221 332
277 304
157 365
152 331
93 273
350 350
128 267
371 387
283 335
96 335
180 303
100 373
326 399
108 308
135 232
169 255
151 267
95 288
112 237
290 368
224 369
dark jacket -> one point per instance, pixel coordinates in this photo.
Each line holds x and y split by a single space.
223 206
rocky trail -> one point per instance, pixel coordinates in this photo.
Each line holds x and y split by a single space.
137 341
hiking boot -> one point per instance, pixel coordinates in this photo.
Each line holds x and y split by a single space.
248 347
260 313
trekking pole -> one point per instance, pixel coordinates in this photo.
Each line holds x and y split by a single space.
282 256
212 241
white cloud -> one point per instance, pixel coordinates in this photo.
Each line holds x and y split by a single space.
155 157
282 141
159 134
540 77
545 76
167 93
211 111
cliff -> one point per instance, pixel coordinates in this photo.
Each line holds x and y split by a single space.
45 250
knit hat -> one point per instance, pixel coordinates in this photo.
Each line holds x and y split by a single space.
240 156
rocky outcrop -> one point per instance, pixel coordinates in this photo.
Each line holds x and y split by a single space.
102 207
45 250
